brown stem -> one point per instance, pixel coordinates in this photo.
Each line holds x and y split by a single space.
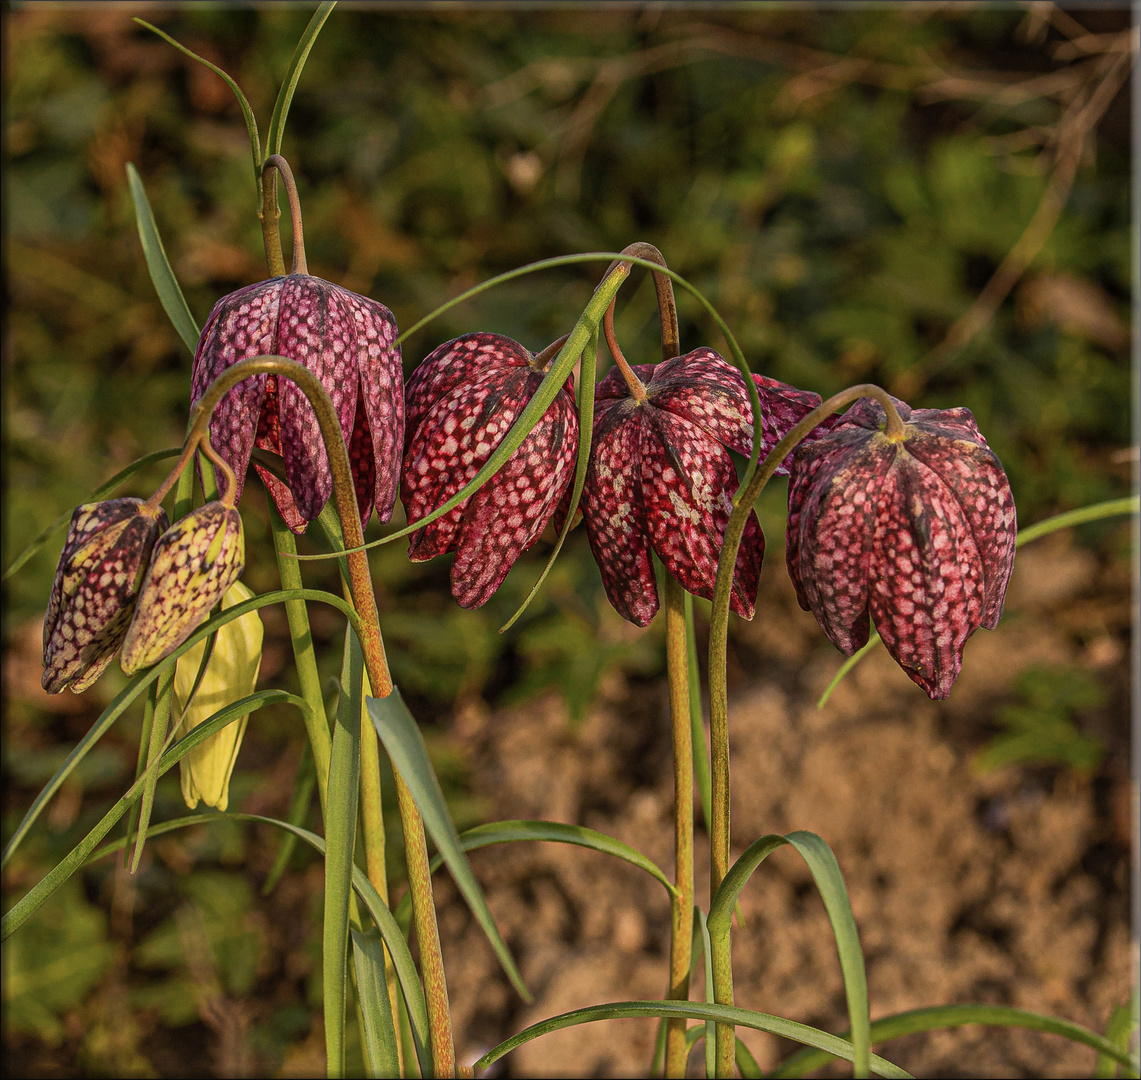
635 385
276 161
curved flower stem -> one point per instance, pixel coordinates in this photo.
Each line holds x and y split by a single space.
635 385
681 904
376 667
718 695
268 215
276 161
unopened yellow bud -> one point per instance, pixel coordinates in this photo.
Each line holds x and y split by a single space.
231 673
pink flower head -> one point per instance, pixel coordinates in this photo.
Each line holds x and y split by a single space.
661 478
917 534
346 341
462 400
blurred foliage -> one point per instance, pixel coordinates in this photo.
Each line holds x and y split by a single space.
843 184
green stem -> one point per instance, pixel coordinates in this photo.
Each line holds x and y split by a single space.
276 161
681 903
376 667
304 654
268 215
743 502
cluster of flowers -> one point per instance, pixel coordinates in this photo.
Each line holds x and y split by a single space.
914 531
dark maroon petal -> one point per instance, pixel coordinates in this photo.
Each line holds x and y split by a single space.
615 516
464 359
835 503
975 479
926 580
363 464
450 446
612 386
687 478
506 517
382 394
869 413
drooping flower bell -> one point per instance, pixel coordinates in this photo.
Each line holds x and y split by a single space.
346 340
661 479
194 563
231 673
915 530
96 586
461 401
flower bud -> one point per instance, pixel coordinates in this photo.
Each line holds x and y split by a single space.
193 565
96 585
231 673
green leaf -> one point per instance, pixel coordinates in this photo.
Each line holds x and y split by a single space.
160 718
341 832
140 682
381 1053
701 766
158 265
830 882
1112 508
1123 1022
99 493
940 1017
292 74
506 832
247 112
695 1010
405 745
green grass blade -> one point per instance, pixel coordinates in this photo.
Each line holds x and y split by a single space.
587 374
412 991
506 832
830 883
405 745
707 959
158 265
701 767
140 683
695 1010
341 835
1123 1023
299 803
1131 504
292 75
19 913
941 1017
247 112
381 1055
160 719
747 1064
99 493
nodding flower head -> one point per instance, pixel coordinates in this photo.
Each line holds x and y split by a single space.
661 479
346 341
462 400
193 565
96 585
916 532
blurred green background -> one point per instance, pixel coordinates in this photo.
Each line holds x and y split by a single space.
855 189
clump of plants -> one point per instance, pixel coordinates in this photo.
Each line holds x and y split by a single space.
901 528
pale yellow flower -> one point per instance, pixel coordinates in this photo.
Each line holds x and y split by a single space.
232 673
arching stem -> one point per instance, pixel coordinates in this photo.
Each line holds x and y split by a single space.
276 161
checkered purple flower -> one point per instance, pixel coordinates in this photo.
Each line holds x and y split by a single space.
918 534
344 339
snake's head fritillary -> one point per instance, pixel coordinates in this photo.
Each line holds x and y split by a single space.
346 340
96 586
461 402
916 533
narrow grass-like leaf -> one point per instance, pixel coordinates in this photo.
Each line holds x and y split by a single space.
247 112
941 1017
19 913
299 803
707 959
1112 508
156 741
695 1010
701 767
587 373
289 85
141 764
412 991
747 1063
143 680
341 834
830 883
158 265
506 832
405 745
381 1055
1123 1024
99 493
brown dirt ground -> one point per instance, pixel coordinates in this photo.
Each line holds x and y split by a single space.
1007 888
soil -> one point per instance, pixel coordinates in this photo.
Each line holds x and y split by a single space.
1011 887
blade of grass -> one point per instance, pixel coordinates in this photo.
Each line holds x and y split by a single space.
159 721
381 1055
276 130
405 745
158 265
